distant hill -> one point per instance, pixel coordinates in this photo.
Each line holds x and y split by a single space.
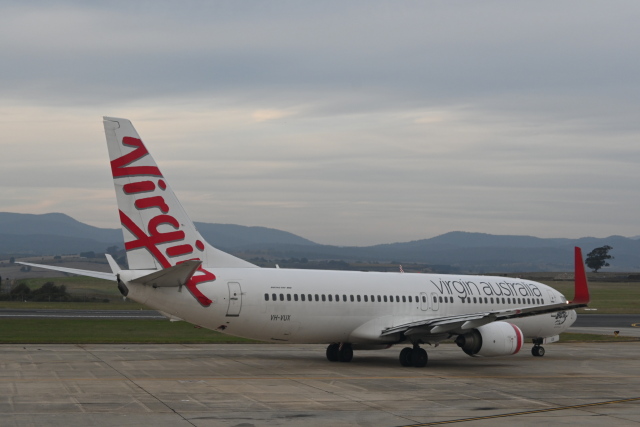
56 234
230 236
55 224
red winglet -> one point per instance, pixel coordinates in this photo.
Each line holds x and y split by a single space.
581 287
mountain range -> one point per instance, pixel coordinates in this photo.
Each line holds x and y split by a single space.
57 234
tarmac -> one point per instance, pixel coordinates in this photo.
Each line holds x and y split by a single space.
243 385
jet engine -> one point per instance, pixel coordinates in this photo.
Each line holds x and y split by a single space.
493 339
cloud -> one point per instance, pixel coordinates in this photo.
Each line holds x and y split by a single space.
347 123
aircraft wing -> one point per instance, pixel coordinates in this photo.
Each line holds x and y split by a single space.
459 323
88 273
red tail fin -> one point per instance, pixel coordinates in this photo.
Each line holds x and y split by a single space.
581 286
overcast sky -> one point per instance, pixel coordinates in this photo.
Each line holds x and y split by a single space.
345 122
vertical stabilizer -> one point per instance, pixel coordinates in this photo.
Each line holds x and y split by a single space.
157 231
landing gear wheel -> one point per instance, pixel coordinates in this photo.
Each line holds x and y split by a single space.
537 351
345 354
333 352
419 357
405 356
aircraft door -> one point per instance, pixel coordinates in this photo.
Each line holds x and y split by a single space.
424 301
235 299
434 301
552 295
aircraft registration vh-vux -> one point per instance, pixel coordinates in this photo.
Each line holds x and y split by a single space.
175 271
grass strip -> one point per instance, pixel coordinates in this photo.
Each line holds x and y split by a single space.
148 331
108 331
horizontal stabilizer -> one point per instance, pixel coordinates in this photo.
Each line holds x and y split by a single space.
87 273
113 264
170 277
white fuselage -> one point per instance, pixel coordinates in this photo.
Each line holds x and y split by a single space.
317 306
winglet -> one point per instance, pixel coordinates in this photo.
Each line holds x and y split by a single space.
581 286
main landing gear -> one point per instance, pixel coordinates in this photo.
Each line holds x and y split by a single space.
342 352
416 356
537 350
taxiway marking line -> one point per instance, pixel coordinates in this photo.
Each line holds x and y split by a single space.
429 377
516 414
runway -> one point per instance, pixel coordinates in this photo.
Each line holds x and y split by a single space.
80 314
292 385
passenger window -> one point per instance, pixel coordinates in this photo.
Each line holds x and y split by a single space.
397 298
410 298
474 300
323 298
435 299
486 300
440 298
302 297
344 298
330 297
366 298
295 297
373 299
338 298
288 297
385 298
274 297
404 298
281 297
358 298
266 297
317 297
310 297
503 300
380 299
390 298
424 299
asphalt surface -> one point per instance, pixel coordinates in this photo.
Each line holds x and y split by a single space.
239 385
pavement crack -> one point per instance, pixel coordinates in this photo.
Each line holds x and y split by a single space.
134 382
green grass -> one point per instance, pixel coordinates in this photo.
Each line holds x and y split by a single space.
77 285
606 297
144 331
113 305
107 331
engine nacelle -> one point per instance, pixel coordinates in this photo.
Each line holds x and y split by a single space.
493 339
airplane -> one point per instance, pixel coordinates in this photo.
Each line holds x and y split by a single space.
174 270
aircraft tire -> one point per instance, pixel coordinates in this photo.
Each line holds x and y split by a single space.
537 351
345 354
419 357
333 352
405 357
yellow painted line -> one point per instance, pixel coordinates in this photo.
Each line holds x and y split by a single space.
338 378
516 414
635 325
